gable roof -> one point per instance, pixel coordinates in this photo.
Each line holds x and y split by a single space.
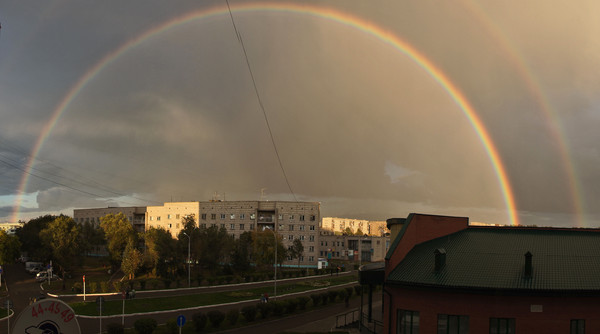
494 258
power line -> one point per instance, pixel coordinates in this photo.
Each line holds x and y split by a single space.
239 37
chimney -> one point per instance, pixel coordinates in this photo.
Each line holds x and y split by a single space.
440 259
528 265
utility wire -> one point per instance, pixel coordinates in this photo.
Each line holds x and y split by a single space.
260 103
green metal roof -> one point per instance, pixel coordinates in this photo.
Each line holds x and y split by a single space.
494 258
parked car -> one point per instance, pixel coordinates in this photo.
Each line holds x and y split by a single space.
43 276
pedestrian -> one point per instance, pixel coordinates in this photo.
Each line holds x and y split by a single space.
266 297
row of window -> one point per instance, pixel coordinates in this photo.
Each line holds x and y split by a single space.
252 216
408 323
333 243
301 258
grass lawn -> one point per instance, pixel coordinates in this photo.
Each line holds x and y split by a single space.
141 305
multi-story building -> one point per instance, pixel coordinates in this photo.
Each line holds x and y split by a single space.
354 248
291 220
135 214
10 228
355 226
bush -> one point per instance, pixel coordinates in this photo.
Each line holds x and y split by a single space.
233 316
278 307
77 287
199 320
117 285
358 289
291 306
93 287
302 301
115 328
349 291
104 286
172 327
264 309
142 284
332 296
145 325
316 299
216 317
324 298
167 283
249 313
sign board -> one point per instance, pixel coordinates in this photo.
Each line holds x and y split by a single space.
47 316
180 320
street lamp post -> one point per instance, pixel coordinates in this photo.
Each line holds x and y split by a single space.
188 259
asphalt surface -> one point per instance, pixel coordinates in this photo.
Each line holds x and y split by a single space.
22 287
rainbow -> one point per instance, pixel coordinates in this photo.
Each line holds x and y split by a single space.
315 11
512 53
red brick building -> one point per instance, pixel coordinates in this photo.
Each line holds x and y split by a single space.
444 276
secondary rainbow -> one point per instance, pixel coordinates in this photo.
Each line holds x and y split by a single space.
315 11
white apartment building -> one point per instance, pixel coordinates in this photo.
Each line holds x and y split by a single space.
368 227
291 220
135 214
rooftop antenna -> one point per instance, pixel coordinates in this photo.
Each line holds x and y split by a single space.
262 194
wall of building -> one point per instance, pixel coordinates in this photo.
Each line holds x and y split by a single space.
135 214
358 249
368 227
532 314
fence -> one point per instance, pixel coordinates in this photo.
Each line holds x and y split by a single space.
347 318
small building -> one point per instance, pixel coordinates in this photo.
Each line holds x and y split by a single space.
353 248
444 276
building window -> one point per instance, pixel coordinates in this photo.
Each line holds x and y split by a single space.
177 216
253 216
213 216
302 227
301 218
342 244
504 326
204 216
158 218
291 217
281 227
242 227
170 225
222 216
577 326
222 225
302 237
251 227
232 216
448 324
312 218
213 225
290 237
311 249
232 226
312 227
242 216
408 322
203 225
291 227
280 217
169 216
311 258
301 258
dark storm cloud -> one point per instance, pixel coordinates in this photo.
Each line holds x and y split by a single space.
358 125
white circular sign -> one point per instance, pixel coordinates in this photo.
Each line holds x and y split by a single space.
47 316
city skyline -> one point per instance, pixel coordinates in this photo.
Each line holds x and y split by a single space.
484 110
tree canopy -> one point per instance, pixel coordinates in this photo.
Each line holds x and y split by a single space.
63 237
119 233
10 248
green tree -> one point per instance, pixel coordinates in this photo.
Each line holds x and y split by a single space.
92 237
242 253
10 247
359 232
213 246
29 235
63 237
160 249
132 261
119 233
296 250
348 231
263 246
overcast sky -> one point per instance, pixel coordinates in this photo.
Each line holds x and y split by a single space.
358 124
